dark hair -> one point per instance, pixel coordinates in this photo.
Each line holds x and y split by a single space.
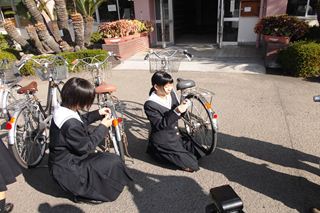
160 78
77 92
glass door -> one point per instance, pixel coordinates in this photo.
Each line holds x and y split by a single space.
164 12
228 22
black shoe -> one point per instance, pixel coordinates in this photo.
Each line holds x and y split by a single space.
8 207
78 199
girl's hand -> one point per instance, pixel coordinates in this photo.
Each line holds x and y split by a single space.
107 121
105 111
183 106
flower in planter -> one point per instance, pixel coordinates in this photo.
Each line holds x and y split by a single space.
281 25
124 27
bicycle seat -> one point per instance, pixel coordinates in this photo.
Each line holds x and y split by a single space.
31 88
185 84
105 88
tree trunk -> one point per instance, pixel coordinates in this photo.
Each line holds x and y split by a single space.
33 9
77 22
55 31
62 16
46 38
88 25
35 39
14 34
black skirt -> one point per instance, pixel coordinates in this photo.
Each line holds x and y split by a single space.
9 168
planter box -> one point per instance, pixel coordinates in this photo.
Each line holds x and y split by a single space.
276 39
125 47
273 44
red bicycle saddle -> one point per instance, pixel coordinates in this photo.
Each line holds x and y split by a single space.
105 88
32 87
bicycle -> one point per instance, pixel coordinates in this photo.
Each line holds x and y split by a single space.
9 77
100 66
200 122
28 127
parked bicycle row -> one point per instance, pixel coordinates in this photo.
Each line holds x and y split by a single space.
30 126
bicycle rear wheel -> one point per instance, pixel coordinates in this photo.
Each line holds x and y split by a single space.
29 144
199 124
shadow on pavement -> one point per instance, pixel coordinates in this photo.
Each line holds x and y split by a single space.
296 192
40 179
159 193
46 208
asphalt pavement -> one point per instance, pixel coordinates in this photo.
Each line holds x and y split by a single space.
268 146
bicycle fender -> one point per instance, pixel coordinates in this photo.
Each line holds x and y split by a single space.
11 136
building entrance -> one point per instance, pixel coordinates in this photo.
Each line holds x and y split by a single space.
195 21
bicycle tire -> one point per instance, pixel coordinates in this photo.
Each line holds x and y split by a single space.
201 122
27 150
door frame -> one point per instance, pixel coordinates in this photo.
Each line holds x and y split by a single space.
220 24
170 21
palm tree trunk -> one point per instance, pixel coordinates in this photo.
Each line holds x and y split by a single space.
33 9
46 38
77 22
88 25
14 34
62 16
55 31
35 39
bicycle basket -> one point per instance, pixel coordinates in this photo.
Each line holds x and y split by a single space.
168 64
58 72
99 72
9 73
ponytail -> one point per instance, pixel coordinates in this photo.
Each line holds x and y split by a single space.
151 90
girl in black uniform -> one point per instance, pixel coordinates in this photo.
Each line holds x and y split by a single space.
163 111
89 176
9 170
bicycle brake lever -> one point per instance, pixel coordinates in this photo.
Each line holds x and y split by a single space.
187 54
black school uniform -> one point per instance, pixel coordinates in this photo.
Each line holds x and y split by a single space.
165 141
9 168
73 163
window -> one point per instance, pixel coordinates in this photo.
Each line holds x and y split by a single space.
304 8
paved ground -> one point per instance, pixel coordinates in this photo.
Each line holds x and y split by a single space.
268 150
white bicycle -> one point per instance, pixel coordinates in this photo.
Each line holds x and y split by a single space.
28 127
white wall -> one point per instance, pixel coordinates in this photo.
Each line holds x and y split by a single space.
246 27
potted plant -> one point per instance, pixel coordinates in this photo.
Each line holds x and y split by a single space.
281 28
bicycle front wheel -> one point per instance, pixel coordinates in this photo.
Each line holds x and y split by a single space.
29 143
199 124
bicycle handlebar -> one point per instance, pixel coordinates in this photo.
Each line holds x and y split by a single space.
94 60
174 52
316 98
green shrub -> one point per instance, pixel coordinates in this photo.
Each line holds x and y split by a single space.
301 59
4 42
96 38
69 56
7 55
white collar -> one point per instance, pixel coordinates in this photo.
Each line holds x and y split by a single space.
62 114
166 103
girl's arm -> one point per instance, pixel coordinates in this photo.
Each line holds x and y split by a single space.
159 121
80 142
91 117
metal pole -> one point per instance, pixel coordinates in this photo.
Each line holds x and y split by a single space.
118 9
97 14
162 25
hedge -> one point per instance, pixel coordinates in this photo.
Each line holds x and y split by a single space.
69 56
7 55
301 59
